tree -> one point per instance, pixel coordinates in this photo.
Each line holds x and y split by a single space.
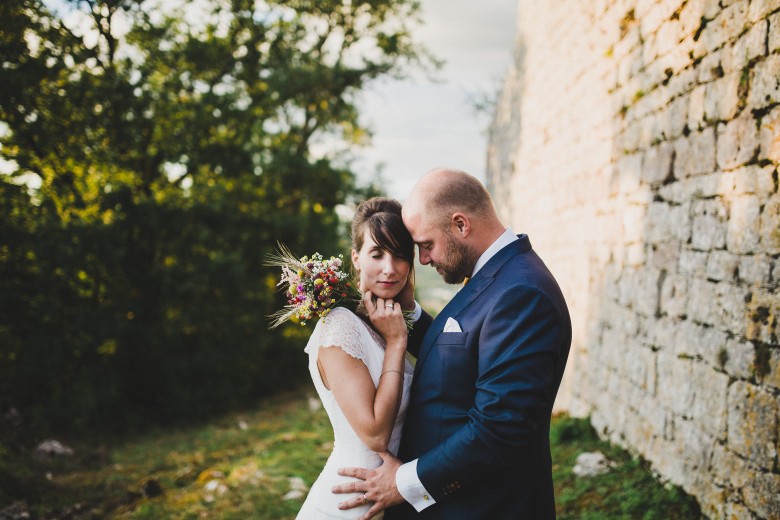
157 155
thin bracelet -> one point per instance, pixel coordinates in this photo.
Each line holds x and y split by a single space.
386 371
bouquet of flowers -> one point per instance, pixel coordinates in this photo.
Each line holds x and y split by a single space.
315 286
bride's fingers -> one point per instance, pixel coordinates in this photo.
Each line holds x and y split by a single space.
368 302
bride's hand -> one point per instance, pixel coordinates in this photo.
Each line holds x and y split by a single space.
387 318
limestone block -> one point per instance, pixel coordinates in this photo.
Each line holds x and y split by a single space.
710 67
743 227
722 265
765 83
690 189
747 48
709 410
709 224
676 118
650 130
762 314
662 334
730 306
695 154
739 356
693 263
645 300
762 495
752 424
770 135
664 222
760 8
728 468
721 101
773 377
675 390
696 111
674 296
669 461
665 255
726 26
640 368
701 298
754 180
770 226
690 16
755 269
732 19
697 448
773 42
735 511
737 141
684 81
668 36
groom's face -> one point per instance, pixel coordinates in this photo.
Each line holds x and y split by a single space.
438 248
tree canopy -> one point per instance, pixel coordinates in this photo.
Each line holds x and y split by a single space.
155 154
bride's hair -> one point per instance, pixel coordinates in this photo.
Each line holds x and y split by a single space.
382 218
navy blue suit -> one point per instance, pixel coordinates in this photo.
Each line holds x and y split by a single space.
481 400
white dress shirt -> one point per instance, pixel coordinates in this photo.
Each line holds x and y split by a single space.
406 479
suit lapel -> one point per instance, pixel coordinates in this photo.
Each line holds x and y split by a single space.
468 294
465 296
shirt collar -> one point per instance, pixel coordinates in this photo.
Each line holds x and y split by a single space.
506 238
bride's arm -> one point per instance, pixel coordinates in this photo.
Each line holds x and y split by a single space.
371 411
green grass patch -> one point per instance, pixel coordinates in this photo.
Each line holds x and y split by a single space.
240 466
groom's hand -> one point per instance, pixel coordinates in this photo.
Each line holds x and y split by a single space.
377 486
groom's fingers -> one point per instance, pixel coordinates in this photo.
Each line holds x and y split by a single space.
352 503
358 486
375 509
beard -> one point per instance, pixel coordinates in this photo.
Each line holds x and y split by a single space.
458 261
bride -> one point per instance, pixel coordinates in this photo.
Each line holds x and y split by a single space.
359 368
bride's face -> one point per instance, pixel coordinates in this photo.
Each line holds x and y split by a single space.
381 272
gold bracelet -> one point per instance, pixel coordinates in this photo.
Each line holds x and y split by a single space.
386 371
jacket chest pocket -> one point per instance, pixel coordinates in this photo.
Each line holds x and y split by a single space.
458 363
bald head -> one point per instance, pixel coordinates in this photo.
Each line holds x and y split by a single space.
442 192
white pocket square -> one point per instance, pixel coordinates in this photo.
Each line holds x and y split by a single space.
452 326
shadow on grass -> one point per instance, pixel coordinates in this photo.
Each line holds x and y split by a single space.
244 465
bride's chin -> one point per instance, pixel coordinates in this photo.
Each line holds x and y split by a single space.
385 294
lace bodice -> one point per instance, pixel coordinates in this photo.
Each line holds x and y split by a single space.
343 329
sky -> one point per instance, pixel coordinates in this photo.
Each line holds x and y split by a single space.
419 124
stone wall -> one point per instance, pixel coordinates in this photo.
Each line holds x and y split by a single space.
637 142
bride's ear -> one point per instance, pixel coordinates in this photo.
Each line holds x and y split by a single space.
355 262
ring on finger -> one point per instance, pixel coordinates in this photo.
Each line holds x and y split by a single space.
390 306
365 498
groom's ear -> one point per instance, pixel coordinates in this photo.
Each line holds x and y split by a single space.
461 225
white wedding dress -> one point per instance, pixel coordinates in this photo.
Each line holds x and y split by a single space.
343 329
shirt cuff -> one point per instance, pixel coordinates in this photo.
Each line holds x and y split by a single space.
410 487
417 312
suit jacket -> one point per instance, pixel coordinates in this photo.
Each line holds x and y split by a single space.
481 399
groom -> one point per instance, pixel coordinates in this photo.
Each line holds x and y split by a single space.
476 437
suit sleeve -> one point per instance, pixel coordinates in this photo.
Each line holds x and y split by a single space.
418 333
521 346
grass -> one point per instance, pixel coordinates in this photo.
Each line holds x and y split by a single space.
241 466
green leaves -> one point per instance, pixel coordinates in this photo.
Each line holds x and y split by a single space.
172 149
